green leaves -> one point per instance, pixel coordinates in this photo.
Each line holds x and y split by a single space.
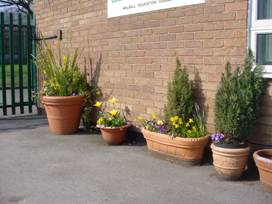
62 76
238 98
180 104
180 95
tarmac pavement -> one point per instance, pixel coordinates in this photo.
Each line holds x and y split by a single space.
37 167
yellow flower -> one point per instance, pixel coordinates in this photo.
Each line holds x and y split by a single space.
191 120
65 59
100 121
114 112
180 121
98 104
110 118
159 122
176 126
113 100
148 127
194 128
154 116
187 125
174 119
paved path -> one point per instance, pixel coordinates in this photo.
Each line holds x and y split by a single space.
39 168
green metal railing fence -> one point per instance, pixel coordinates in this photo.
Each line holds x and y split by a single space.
18 73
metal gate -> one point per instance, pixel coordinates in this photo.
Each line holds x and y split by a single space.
18 74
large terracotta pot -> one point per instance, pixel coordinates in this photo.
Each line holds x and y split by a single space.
229 163
186 149
263 159
114 136
63 113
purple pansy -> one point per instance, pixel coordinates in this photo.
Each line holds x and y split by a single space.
157 128
161 128
73 94
217 137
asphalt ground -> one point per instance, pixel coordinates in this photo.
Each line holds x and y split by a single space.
37 167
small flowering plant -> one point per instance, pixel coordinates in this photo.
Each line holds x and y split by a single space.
176 126
217 137
154 124
61 75
185 128
110 118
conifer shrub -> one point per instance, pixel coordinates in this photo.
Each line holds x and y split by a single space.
180 100
183 117
238 98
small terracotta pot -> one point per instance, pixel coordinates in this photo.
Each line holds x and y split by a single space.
263 160
186 149
114 136
63 113
229 163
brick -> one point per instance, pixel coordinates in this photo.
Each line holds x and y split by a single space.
203 35
236 6
193 44
185 36
170 37
139 51
193 27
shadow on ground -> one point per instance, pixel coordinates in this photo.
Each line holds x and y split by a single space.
10 124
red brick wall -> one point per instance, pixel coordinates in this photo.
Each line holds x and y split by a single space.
139 51
263 134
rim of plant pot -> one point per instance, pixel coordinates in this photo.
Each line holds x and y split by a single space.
189 150
65 99
231 146
230 150
112 128
264 155
185 139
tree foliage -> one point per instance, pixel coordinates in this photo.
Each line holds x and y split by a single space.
238 98
180 95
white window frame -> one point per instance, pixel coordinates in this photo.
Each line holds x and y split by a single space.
259 27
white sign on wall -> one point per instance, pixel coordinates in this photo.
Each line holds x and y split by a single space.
126 7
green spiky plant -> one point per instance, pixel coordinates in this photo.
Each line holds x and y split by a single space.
180 95
61 73
237 103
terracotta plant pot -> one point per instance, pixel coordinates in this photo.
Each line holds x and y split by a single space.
114 136
63 113
263 160
186 149
229 163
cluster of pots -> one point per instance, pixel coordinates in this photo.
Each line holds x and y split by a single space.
63 115
229 162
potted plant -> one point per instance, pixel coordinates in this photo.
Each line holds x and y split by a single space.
63 89
263 159
237 105
182 133
90 112
112 122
